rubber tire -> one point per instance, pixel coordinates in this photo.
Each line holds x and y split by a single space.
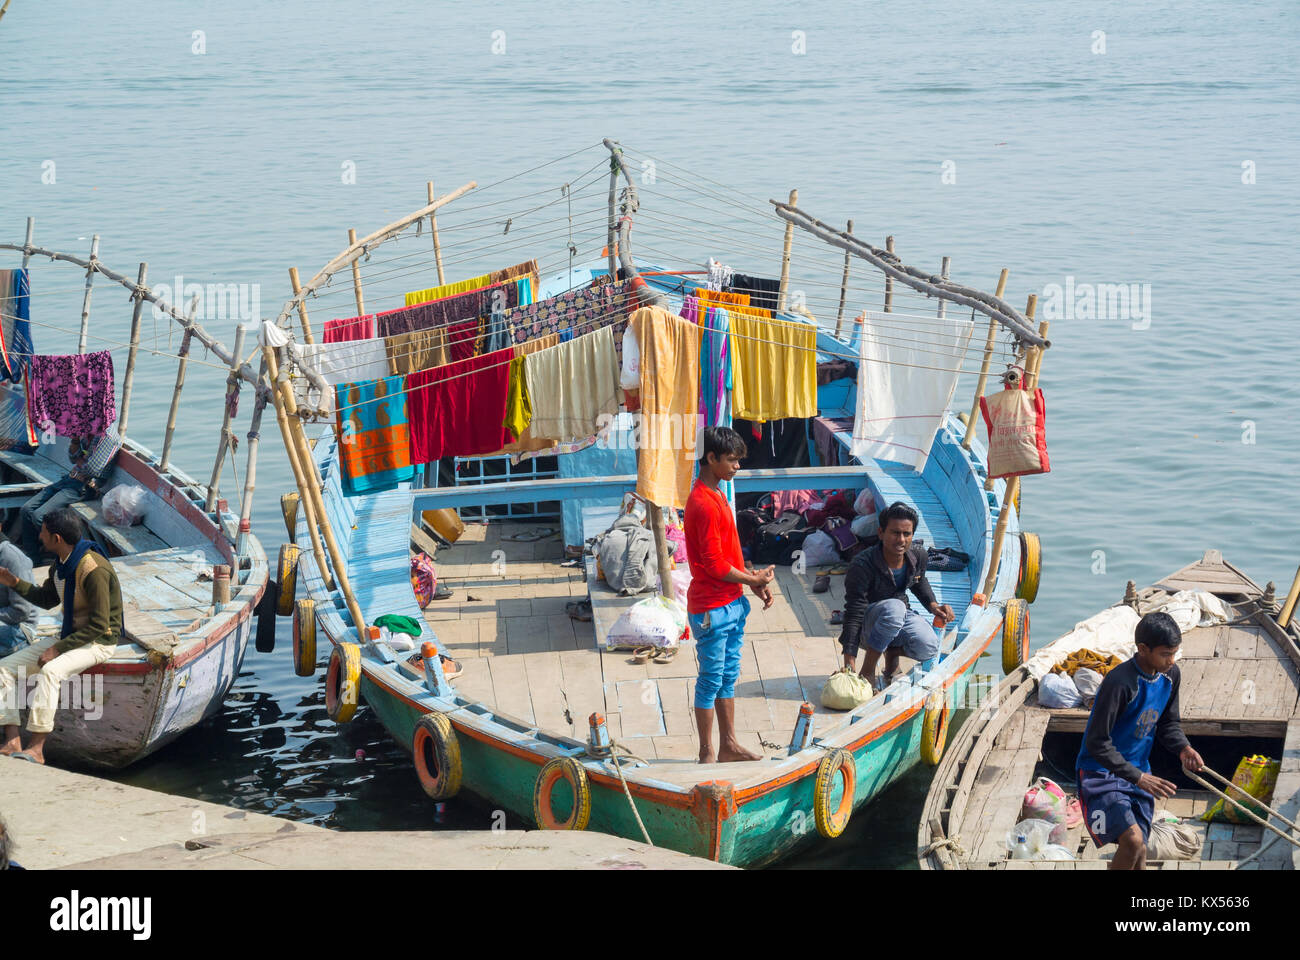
434 731
288 579
934 728
1015 635
832 823
265 613
304 637
343 682
289 509
551 773
1031 567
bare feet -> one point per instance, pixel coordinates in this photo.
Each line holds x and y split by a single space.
12 742
707 756
733 751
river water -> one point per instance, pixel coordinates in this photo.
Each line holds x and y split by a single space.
1148 144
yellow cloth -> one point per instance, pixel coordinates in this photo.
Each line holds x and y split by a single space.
773 369
519 408
1088 659
448 290
670 405
722 299
413 352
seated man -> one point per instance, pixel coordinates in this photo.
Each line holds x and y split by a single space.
876 613
1136 705
84 583
92 464
17 615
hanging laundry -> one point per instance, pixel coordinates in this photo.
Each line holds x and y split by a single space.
776 443
715 368
14 430
670 403
573 386
774 368
463 339
71 395
15 323
496 277
524 440
413 352
349 361
459 409
519 406
353 328
720 298
762 292
719 274
580 310
373 435
904 389
457 308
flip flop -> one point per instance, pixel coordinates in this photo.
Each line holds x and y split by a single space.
838 571
20 755
837 616
822 584
666 655
643 654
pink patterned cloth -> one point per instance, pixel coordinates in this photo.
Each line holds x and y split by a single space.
353 328
72 395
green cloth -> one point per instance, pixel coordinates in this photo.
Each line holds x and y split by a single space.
396 623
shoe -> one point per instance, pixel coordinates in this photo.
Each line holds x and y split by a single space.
837 616
579 610
823 583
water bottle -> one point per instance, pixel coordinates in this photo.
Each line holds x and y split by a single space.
1020 847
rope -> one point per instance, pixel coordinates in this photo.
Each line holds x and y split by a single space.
950 843
610 757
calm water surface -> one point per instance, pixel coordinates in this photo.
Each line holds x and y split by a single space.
1119 166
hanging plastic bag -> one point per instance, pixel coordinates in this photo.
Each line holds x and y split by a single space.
1017 424
124 505
1057 691
846 689
864 503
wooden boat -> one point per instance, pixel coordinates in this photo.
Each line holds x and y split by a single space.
184 645
540 700
1239 692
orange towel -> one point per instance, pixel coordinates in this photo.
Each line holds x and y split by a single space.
670 405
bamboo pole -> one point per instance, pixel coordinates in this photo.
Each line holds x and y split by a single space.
784 291
312 491
183 359
610 244
1288 608
302 305
437 244
128 381
250 474
661 547
227 436
844 287
356 274
85 302
27 244
889 281
1012 489
982 382
291 450
943 275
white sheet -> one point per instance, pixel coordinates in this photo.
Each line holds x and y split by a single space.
351 361
904 388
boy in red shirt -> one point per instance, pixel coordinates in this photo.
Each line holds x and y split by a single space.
716 606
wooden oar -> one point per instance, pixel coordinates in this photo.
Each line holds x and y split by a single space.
1250 813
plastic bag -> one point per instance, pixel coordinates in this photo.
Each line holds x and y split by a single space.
424 579
1057 690
1171 839
1255 775
1087 682
1053 851
864 503
124 505
819 549
865 526
1045 800
845 689
1027 838
655 621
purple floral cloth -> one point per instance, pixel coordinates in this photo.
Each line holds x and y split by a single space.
73 395
580 311
459 308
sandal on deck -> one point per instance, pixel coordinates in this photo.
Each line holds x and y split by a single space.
838 571
643 654
579 610
837 616
822 583
665 655
23 755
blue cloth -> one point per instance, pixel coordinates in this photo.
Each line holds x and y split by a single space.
1111 805
19 351
892 623
12 639
900 576
717 648
1133 732
715 372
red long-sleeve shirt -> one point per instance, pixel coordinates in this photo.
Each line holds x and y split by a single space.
714 548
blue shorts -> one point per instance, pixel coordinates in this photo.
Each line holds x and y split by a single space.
717 647
1111 805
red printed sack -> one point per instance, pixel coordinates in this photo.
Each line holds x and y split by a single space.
1017 424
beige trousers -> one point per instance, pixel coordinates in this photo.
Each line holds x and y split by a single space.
45 696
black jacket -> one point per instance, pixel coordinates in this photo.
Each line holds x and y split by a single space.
869 580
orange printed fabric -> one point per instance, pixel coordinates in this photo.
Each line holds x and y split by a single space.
670 405
373 435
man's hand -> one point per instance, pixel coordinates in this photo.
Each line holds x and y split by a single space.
7 578
1191 759
763 593
1157 787
760 578
47 656
944 611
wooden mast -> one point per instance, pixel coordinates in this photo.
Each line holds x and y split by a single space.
250 471
128 381
437 245
783 289
302 305
889 281
356 275
227 436
183 359
982 382
85 302
844 288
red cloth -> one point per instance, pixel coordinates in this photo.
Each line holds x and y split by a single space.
457 409
462 339
353 328
714 548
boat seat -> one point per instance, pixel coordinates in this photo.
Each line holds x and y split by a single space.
120 541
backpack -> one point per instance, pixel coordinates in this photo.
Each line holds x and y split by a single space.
778 539
627 556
